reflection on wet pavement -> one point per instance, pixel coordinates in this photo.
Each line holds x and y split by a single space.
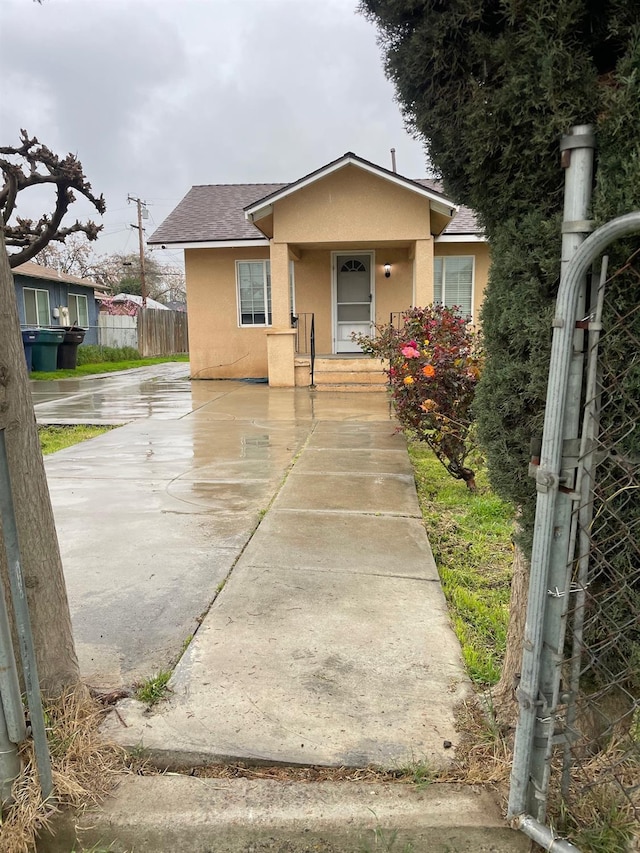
152 516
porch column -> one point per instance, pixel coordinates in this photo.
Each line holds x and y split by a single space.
280 307
423 273
280 337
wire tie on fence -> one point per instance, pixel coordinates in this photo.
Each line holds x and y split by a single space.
555 593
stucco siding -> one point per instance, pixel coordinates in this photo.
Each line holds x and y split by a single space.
393 293
351 205
219 347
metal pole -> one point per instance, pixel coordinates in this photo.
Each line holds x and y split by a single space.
547 480
23 624
543 836
9 761
577 155
546 613
584 487
10 693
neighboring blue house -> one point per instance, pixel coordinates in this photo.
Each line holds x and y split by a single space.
48 298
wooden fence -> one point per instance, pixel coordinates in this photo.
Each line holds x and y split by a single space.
162 332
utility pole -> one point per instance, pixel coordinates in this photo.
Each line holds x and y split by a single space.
143 284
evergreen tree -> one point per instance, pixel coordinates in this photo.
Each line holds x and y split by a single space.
490 86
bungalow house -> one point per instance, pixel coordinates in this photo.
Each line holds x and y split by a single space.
269 266
46 297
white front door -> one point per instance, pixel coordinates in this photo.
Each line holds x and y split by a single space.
354 300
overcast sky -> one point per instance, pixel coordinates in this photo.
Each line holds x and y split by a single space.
157 95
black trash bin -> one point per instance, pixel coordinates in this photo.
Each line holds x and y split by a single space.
29 337
45 349
68 349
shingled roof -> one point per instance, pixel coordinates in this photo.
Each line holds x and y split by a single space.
216 212
33 270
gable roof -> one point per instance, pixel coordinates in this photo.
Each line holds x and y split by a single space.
33 270
218 213
261 207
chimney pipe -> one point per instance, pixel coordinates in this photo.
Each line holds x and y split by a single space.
393 160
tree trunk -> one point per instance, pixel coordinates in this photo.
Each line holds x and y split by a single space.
40 554
503 695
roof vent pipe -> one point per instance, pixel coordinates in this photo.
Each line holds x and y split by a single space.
393 160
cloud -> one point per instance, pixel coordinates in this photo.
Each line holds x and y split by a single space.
156 95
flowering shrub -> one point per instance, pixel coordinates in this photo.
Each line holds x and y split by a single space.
434 367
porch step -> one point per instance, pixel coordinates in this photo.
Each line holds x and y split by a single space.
351 387
344 373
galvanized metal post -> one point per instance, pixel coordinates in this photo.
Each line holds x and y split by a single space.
12 726
577 151
585 482
547 479
544 629
23 624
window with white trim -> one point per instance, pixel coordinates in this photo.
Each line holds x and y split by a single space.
78 310
254 293
36 307
453 282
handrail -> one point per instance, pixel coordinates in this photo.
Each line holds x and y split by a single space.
313 348
305 343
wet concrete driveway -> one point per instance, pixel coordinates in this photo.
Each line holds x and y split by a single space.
282 528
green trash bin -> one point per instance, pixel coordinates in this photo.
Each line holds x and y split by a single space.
45 349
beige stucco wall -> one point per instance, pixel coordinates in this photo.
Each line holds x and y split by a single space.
313 277
393 293
480 268
349 211
219 348
351 205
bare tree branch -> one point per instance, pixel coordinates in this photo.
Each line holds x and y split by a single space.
41 166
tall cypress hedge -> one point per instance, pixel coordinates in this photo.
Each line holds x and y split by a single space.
490 87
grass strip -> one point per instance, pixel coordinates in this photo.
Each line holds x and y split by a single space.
54 438
105 367
470 534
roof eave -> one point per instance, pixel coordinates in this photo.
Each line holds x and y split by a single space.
231 243
262 207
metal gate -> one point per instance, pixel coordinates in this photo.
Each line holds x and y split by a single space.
576 764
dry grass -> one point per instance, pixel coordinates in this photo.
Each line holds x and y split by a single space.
85 768
484 749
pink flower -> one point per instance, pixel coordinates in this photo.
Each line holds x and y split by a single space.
410 351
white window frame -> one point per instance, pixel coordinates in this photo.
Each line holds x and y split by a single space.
77 322
39 321
266 275
444 259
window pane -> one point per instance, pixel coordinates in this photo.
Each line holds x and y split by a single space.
30 309
457 283
254 286
78 310
43 307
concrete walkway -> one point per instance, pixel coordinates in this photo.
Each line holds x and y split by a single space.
288 523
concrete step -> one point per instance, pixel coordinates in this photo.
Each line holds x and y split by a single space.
335 377
349 386
185 814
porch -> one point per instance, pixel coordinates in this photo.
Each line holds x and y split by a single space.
354 371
